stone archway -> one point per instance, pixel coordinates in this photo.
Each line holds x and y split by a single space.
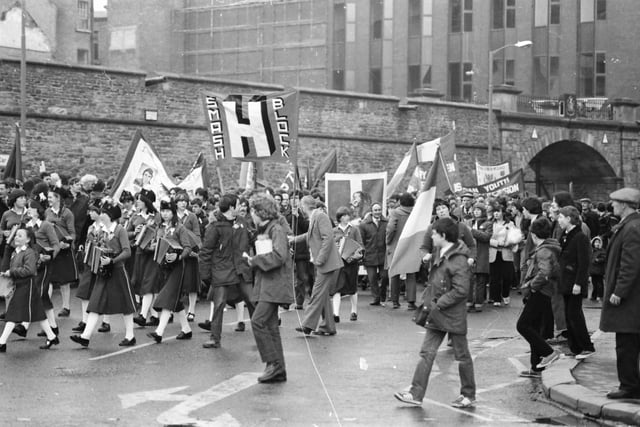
574 166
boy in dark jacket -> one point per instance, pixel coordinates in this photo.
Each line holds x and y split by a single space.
541 278
596 268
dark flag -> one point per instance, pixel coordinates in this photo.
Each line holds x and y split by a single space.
14 163
328 165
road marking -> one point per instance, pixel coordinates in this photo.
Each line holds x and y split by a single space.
179 414
460 411
163 395
499 386
518 364
128 349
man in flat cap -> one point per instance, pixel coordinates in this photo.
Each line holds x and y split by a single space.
622 292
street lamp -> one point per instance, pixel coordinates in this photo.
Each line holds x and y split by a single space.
524 43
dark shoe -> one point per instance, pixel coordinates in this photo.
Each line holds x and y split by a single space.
304 330
376 302
128 343
105 327
78 339
49 343
240 327
184 335
279 321
623 394
211 344
20 330
153 321
140 321
79 328
299 307
323 333
191 317
2 317
206 325
354 317
171 318
273 373
65 312
44 334
3 348
157 338
396 305
411 306
336 319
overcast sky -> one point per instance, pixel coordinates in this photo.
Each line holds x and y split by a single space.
99 4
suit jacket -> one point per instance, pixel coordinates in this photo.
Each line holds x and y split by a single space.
322 247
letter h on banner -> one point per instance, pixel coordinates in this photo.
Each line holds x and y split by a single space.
249 127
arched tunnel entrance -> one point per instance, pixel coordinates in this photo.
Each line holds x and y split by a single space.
576 167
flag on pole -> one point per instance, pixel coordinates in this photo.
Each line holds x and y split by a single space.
253 127
407 257
142 159
13 169
251 175
328 165
448 179
408 162
198 176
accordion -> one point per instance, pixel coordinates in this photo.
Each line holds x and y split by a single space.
95 253
164 247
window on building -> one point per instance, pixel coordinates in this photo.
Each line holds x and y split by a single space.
375 80
467 81
511 14
554 11
96 47
601 9
83 15
83 56
468 16
454 81
414 79
510 72
541 13
554 75
415 18
601 71
123 38
586 75
540 76
455 16
426 78
586 11
377 17
503 14
338 79
339 23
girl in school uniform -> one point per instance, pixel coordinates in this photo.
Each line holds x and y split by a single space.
63 268
9 223
169 298
146 272
191 279
112 292
26 304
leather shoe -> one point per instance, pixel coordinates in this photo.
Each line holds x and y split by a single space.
65 312
206 325
140 321
49 343
323 333
128 343
105 327
79 328
273 373
336 319
240 327
623 394
3 348
153 321
184 335
20 330
304 330
211 344
157 338
375 303
55 331
78 339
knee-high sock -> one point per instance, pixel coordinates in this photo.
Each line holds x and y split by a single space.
184 323
193 298
147 299
65 292
164 320
106 319
85 305
354 303
92 322
8 328
211 311
44 324
336 304
128 326
240 311
51 318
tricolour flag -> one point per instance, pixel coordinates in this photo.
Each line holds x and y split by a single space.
408 162
13 169
141 158
253 128
198 176
407 257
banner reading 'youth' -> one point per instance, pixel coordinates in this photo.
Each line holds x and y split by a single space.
253 127
504 186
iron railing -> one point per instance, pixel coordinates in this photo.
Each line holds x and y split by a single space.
585 108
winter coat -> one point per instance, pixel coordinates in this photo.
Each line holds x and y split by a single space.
544 268
374 240
397 219
598 262
323 251
505 238
574 262
481 230
447 290
464 234
622 278
299 225
216 256
273 269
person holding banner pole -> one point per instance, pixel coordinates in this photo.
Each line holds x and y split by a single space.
397 219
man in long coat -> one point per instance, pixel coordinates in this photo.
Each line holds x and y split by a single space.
622 292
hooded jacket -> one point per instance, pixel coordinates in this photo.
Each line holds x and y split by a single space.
544 268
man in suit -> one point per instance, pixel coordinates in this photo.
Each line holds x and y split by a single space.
327 261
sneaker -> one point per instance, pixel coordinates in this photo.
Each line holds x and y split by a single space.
529 373
548 360
584 354
506 300
497 304
407 397
463 402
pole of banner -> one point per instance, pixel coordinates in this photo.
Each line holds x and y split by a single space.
254 177
219 177
23 76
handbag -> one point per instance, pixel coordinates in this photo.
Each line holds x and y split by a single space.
422 313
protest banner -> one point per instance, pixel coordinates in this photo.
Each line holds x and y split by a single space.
486 173
358 189
504 186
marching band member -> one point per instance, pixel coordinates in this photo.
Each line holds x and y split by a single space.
26 304
168 299
11 220
63 268
191 277
112 292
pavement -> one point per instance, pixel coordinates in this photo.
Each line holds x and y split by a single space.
582 385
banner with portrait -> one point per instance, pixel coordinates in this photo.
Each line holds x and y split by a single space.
356 190
485 173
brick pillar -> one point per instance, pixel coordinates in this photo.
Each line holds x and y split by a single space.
505 98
